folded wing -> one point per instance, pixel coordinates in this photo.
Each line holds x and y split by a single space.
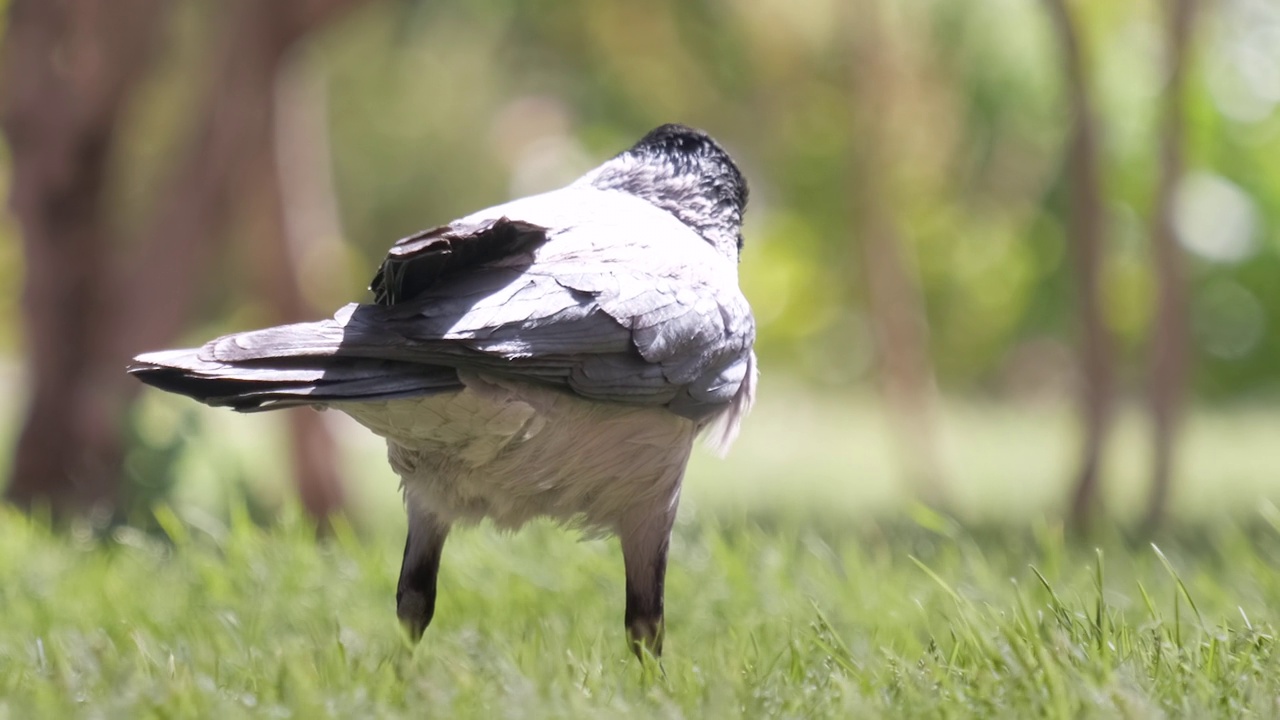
617 313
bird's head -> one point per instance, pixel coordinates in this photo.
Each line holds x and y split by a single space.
685 172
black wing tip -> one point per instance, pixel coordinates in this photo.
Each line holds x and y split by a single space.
214 392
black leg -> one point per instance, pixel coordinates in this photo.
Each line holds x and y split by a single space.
416 593
647 577
645 536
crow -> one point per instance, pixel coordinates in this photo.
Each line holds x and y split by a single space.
553 356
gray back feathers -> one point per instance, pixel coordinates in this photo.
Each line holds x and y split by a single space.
591 288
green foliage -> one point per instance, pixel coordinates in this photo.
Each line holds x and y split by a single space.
438 108
768 617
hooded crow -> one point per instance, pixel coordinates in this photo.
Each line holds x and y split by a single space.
553 356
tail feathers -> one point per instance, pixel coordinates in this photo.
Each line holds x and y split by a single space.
301 340
268 383
356 332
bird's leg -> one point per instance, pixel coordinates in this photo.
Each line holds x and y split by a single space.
416 593
644 551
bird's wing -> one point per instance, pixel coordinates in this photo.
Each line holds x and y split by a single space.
417 262
638 312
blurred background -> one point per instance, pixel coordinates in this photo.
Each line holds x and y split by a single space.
1007 258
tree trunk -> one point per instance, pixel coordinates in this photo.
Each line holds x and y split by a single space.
1169 362
276 277
308 229
89 304
70 67
235 157
1087 239
233 129
895 306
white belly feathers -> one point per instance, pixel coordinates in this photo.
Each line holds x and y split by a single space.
511 451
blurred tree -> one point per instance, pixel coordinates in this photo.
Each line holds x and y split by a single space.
899 326
1087 239
1170 341
908 160
70 67
91 302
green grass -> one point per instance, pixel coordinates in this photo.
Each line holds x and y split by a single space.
803 584
767 617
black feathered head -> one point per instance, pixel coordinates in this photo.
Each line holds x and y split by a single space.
685 172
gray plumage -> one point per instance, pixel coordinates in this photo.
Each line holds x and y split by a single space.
555 355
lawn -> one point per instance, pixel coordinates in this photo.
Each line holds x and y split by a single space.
768 617
794 591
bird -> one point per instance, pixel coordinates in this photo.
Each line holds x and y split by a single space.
554 356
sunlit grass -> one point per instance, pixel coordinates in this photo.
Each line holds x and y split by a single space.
768 617
804 583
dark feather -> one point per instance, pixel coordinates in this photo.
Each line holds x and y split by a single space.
273 383
417 262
